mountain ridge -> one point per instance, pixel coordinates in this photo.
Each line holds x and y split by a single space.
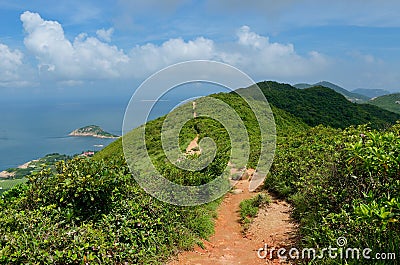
351 96
321 105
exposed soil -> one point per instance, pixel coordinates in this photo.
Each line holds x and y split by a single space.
193 147
229 245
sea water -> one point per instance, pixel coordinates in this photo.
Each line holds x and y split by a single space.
30 129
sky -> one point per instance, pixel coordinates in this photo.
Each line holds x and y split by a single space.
107 48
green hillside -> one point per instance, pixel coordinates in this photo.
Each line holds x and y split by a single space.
93 210
321 105
339 182
388 102
286 124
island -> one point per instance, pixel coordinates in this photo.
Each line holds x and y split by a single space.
93 131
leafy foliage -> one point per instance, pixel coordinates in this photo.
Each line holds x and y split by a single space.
342 183
93 212
321 105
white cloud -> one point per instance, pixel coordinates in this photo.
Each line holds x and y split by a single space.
10 66
257 55
149 58
252 53
104 34
84 58
88 58
248 38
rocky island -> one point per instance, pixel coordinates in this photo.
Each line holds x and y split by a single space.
93 131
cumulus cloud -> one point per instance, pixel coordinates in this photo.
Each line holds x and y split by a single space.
104 34
252 53
10 66
88 58
85 57
150 57
259 56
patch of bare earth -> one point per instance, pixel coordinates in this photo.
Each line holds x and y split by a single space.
229 245
193 147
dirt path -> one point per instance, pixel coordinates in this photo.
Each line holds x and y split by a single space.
193 147
229 245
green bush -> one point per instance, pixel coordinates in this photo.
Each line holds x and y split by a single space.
94 212
342 183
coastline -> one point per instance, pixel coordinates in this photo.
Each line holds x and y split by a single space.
6 175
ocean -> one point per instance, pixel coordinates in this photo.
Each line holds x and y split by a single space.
30 129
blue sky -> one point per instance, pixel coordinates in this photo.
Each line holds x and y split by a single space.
103 48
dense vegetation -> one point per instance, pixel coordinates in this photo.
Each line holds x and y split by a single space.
94 212
342 183
91 210
388 102
320 105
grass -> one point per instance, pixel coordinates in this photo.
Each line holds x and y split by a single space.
249 208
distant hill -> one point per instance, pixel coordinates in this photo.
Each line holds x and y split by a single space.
371 93
302 85
321 105
351 96
389 102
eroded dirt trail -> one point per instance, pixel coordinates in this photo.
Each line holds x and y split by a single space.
230 246
193 147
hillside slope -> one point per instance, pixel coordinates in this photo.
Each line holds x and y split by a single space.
93 211
388 102
286 123
321 105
